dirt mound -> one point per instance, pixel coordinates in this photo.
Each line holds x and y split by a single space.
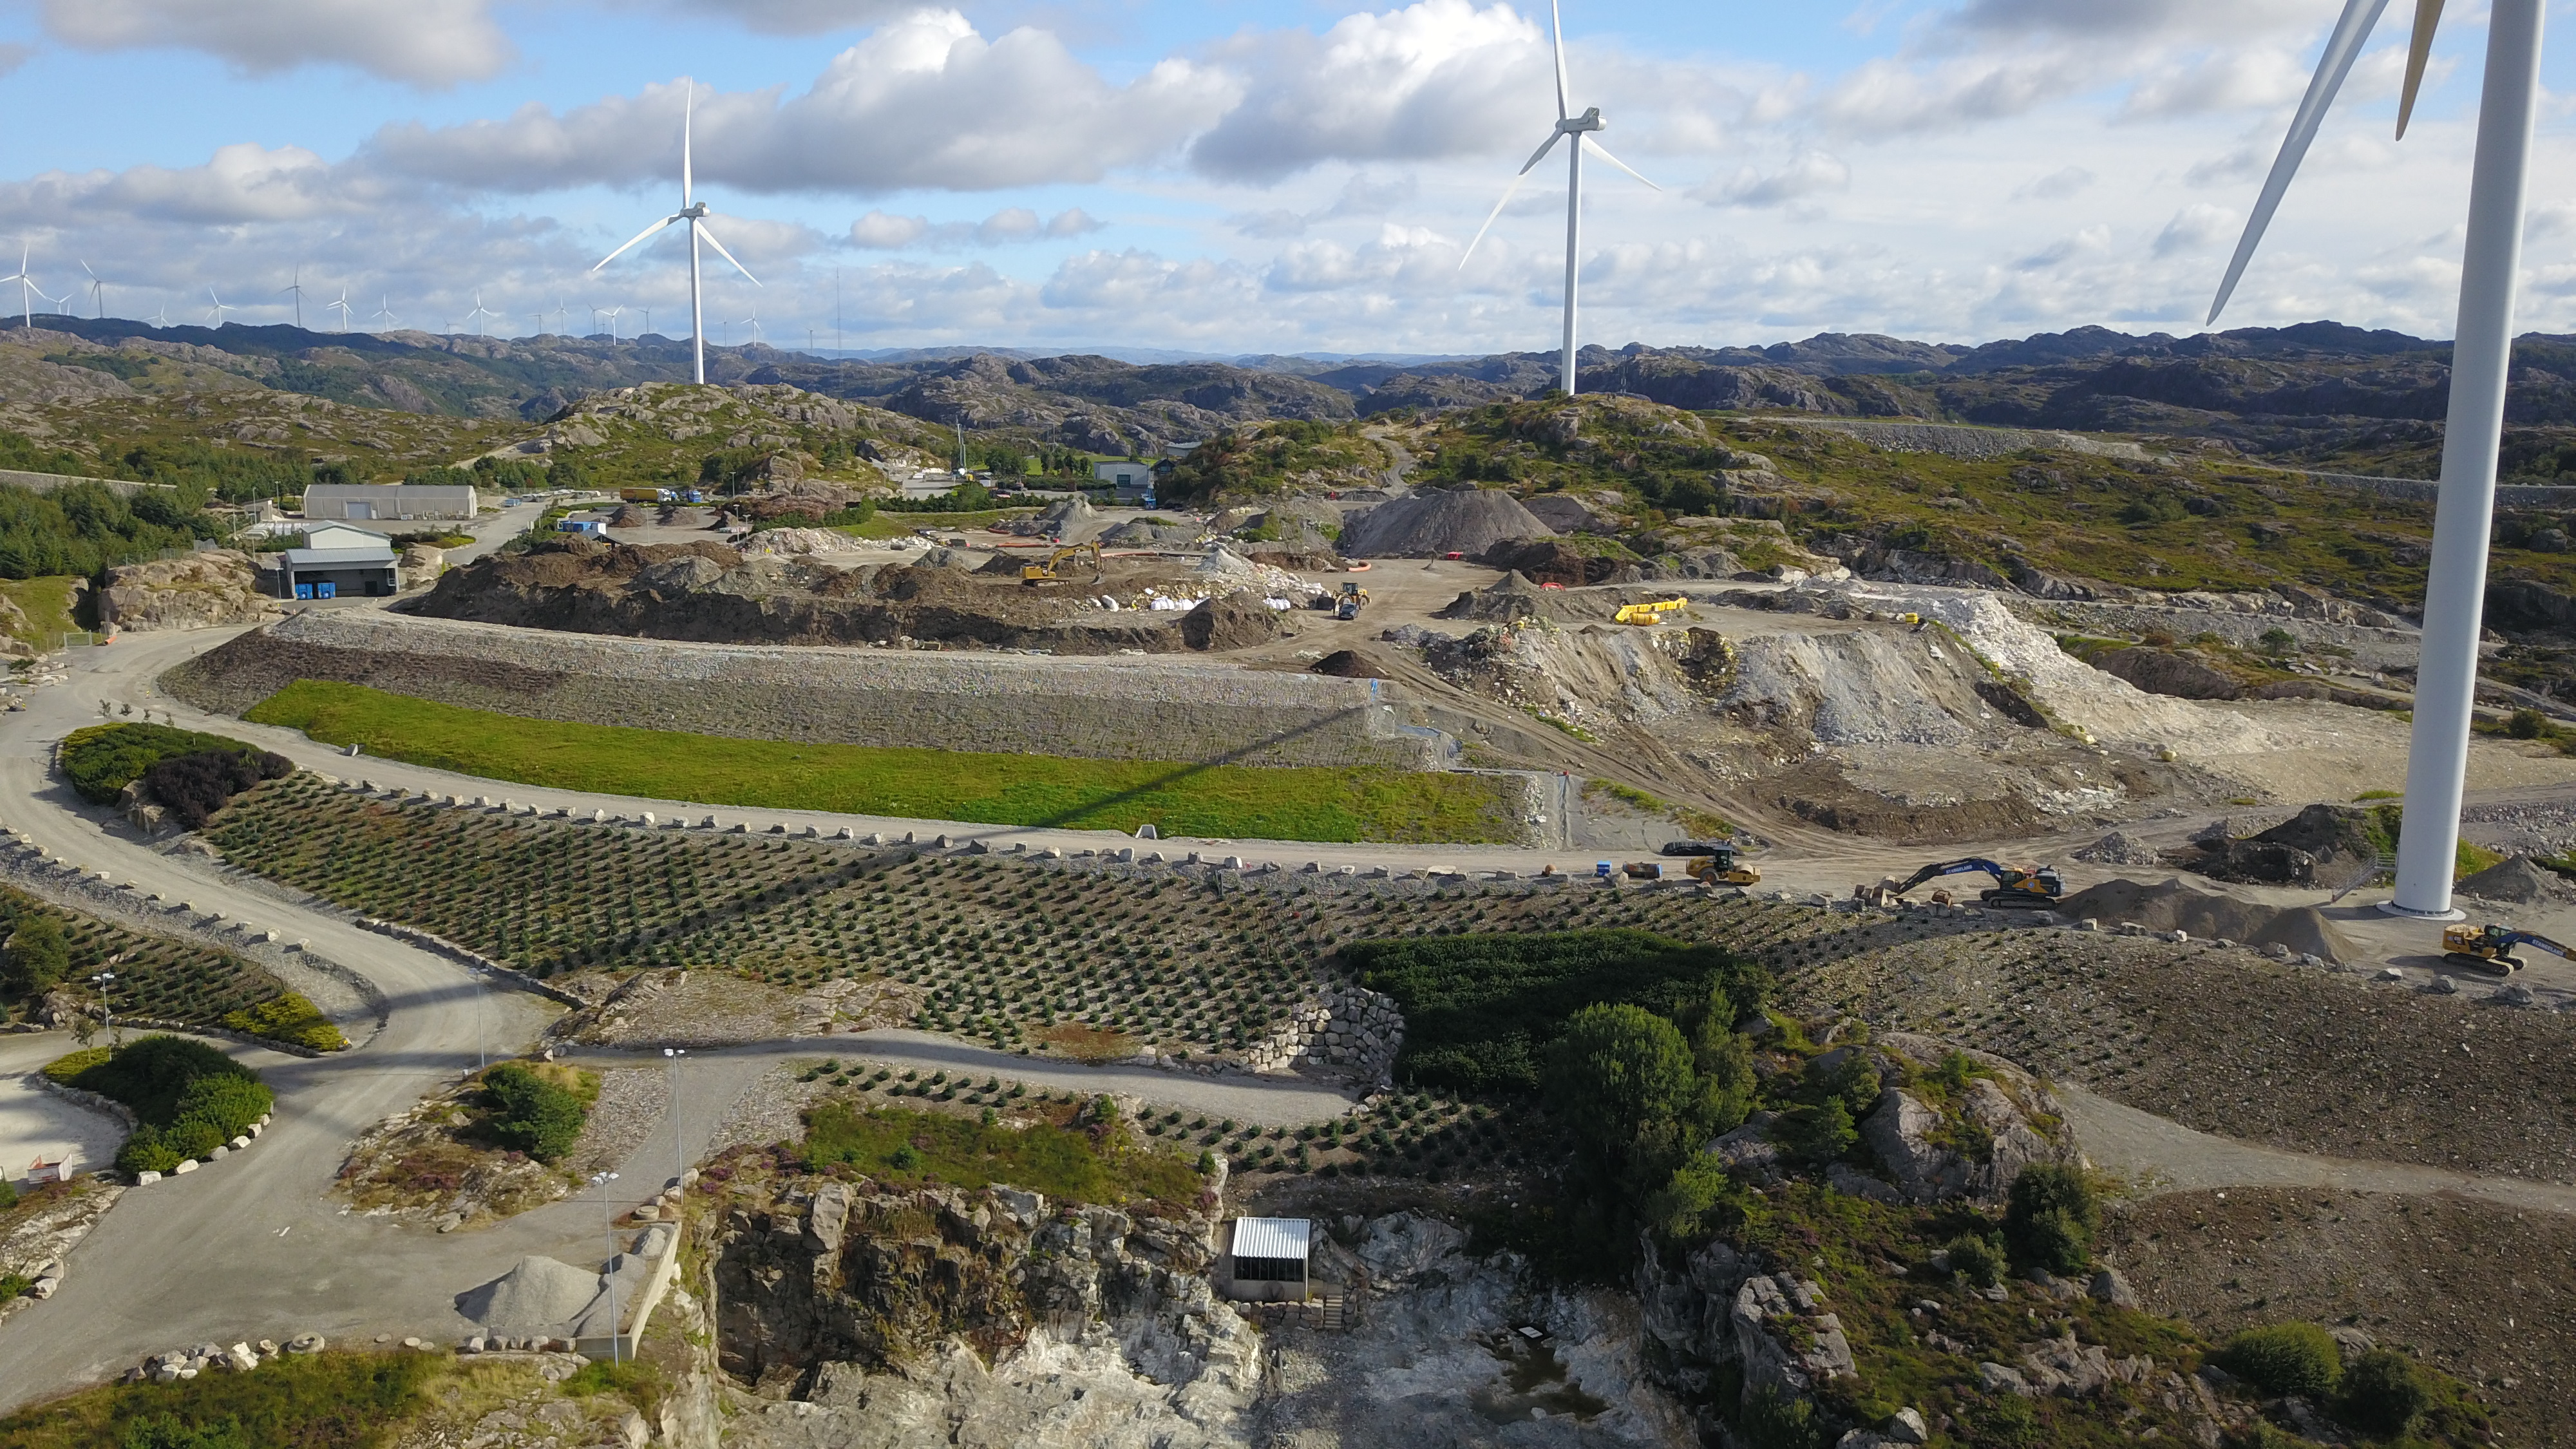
1349 664
1468 521
1233 621
2322 843
1512 597
1072 519
2161 671
2172 905
2118 849
2519 881
687 516
1148 533
630 516
1565 513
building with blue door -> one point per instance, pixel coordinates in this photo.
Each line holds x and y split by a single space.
338 561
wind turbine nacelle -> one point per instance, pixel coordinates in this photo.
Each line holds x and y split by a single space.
1590 120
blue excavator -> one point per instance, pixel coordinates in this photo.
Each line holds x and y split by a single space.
2490 947
2017 888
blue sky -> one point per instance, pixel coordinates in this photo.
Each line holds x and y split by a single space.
1246 175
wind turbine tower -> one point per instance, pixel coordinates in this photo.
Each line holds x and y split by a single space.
97 291
694 212
342 303
217 311
2482 349
1580 128
384 309
26 289
480 311
297 287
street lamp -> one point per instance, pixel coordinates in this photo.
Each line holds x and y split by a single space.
671 1081
601 1180
102 981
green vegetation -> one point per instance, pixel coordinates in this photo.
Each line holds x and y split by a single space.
1090 1160
1356 802
1700 823
189 1097
1480 1010
82 528
2052 1218
289 1018
1271 457
2285 1358
37 956
318 1401
44 608
103 759
532 1111
2383 1393
166 978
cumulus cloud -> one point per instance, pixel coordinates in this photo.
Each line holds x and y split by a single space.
1808 174
2057 185
422 42
2197 227
1435 79
1362 195
878 231
791 17
239 184
925 102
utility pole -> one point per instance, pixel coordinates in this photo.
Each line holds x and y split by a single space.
671 1077
609 1226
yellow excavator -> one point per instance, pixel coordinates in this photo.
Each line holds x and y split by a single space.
1045 573
2490 947
1652 613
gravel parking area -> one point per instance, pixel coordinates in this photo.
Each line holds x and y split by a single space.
34 1122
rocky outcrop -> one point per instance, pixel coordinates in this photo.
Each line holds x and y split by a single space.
2162 671
1938 1144
201 591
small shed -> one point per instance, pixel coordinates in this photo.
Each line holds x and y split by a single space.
340 561
1266 1259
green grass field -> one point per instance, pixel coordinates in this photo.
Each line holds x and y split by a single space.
1353 803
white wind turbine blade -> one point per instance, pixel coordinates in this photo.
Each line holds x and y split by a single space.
2343 47
639 236
1535 157
1594 141
688 123
2419 49
1556 32
705 231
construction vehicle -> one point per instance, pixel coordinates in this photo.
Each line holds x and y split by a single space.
1045 573
2490 947
2016 887
1648 614
1348 604
1643 870
1719 867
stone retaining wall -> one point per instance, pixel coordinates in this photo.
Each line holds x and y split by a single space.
1016 704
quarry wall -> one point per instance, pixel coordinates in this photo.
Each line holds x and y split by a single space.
1017 704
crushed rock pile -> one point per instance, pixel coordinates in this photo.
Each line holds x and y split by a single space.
1508 599
536 1294
1468 521
2118 849
788 542
1565 513
2173 905
1148 533
2322 844
630 516
1223 567
1237 620
2520 881
688 516
1072 519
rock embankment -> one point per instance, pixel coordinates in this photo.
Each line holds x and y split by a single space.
201 591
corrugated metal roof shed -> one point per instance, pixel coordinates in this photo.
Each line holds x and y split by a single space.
1271 1237
338 558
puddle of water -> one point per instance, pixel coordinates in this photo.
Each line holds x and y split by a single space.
1532 1379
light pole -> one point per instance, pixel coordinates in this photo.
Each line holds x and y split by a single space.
107 1014
671 1079
608 1225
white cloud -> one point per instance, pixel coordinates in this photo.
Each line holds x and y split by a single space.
878 231
1809 174
2229 81
422 42
2057 185
792 17
2197 227
14 55
240 184
924 102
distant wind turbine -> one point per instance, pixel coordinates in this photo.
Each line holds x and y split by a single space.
26 287
694 212
216 312
97 291
161 317
612 314
1578 127
297 287
479 311
559 314
384 309
541 324
2481 353
754 320
342 303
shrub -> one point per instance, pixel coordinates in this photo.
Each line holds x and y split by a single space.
2284 1358
1821 1133
1619 1074
289 1018
14 1284
1976 1255
2382 1394
159 1077
38 957
162 1431
8 1194
193 787
2526 724
145 1151
531 1114
64 1069
1773 1420
103 759
2051 1219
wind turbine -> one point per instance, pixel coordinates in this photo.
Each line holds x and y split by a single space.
754 320
1577 127
384 309
2437 759
161 317
26 285
612 314
297 287
341 302
218 310
694 212
97 291
479 311
559 314
541 324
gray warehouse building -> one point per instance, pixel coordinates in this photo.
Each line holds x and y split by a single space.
387 502
338 562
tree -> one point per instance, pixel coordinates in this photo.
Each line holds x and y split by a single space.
1727 1087
2382 1394
2279 640
2051 1218
1621 1076
38 957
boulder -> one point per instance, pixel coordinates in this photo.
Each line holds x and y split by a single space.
1403 1247
1749 1150
2162 671
2111 1287
203 590
829 1217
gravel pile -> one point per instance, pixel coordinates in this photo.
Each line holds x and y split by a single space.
537 1295
2118 849
789 542
629 1107
2207 915
630 516
1428 525
2519 881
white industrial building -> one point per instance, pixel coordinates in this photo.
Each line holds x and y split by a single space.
389 502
